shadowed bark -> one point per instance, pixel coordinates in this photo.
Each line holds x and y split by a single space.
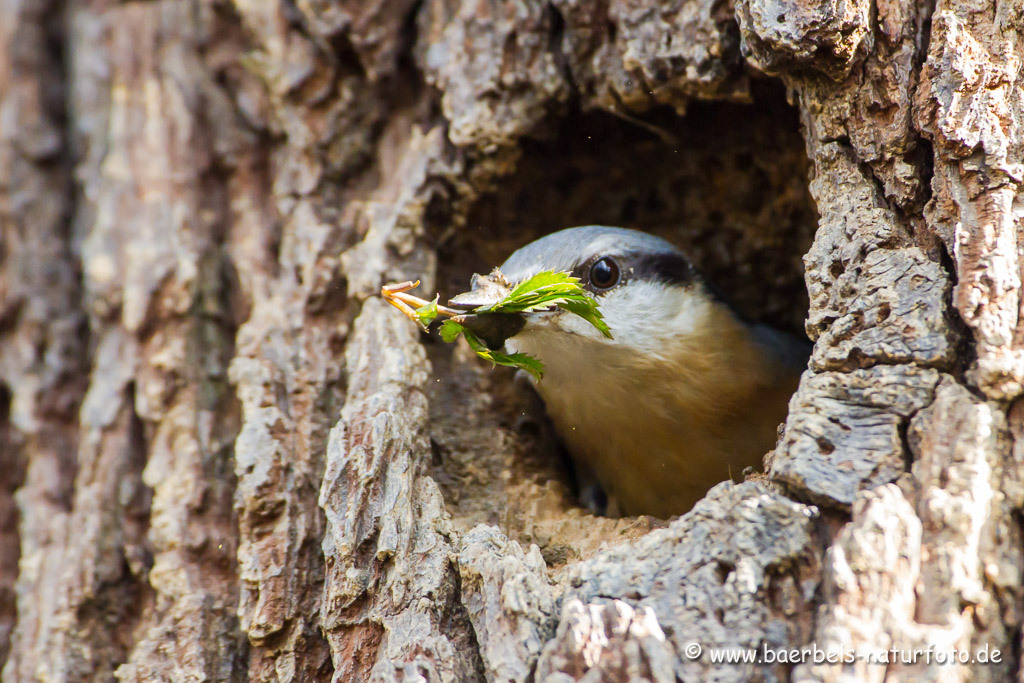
222 457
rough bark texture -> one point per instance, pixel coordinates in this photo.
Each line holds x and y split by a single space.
222 458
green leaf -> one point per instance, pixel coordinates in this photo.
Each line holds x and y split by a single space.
552 289
543 290
427 314
450 330
522 361
540 291
546 280
588 311
515 360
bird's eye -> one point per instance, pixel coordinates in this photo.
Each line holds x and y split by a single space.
604 274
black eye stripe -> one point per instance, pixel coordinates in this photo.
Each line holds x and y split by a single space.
669 268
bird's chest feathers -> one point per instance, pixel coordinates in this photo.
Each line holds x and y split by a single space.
665 424
605 400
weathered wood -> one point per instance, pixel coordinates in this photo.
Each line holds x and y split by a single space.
740 571
845 433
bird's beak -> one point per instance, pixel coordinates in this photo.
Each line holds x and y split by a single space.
493 328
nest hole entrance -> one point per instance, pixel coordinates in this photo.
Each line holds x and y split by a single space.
728 183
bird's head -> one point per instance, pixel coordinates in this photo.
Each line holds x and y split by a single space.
646 288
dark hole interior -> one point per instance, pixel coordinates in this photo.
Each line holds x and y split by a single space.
726 182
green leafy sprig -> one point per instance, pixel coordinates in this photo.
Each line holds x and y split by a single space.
546 290
450 331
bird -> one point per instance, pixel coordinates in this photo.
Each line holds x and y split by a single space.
686 393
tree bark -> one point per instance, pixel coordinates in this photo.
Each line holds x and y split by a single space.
222 457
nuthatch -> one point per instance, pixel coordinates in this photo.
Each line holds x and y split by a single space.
684 395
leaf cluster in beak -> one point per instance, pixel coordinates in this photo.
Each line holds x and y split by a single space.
495 309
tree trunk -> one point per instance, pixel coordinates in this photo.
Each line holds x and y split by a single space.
222 457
